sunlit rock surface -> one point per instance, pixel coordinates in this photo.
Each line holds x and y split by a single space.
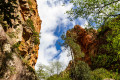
18 52
86 40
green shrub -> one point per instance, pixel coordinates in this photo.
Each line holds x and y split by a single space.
58 77
30 24
101 73
35 34
110 62
16 45
109 46
36 38
80 71
29 2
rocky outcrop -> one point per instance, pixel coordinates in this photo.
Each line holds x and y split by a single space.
100 48
86 40
19 43
29 14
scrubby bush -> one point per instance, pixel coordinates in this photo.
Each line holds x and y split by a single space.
35 34
16 45
101 73
108 54
109 62
29 2
30 24
36 38
80 71
58 77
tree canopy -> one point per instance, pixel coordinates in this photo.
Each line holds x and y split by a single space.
95 11
46 71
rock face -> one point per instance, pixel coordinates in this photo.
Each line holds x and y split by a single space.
29 14
86 40
19 44
100 47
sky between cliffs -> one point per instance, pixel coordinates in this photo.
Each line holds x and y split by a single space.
54 23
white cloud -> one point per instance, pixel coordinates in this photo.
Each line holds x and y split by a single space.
84 23
52 15
64 58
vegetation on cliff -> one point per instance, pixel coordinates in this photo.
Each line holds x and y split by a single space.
108 52
35 34
19 39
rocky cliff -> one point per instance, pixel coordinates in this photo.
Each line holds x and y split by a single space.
30 37
85 43
98 48
95 53
19 40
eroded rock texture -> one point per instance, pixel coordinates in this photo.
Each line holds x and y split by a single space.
29 12
19 44
86 39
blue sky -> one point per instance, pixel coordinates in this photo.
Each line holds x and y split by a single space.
54 23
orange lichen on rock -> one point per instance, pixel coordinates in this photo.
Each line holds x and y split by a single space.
28 50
